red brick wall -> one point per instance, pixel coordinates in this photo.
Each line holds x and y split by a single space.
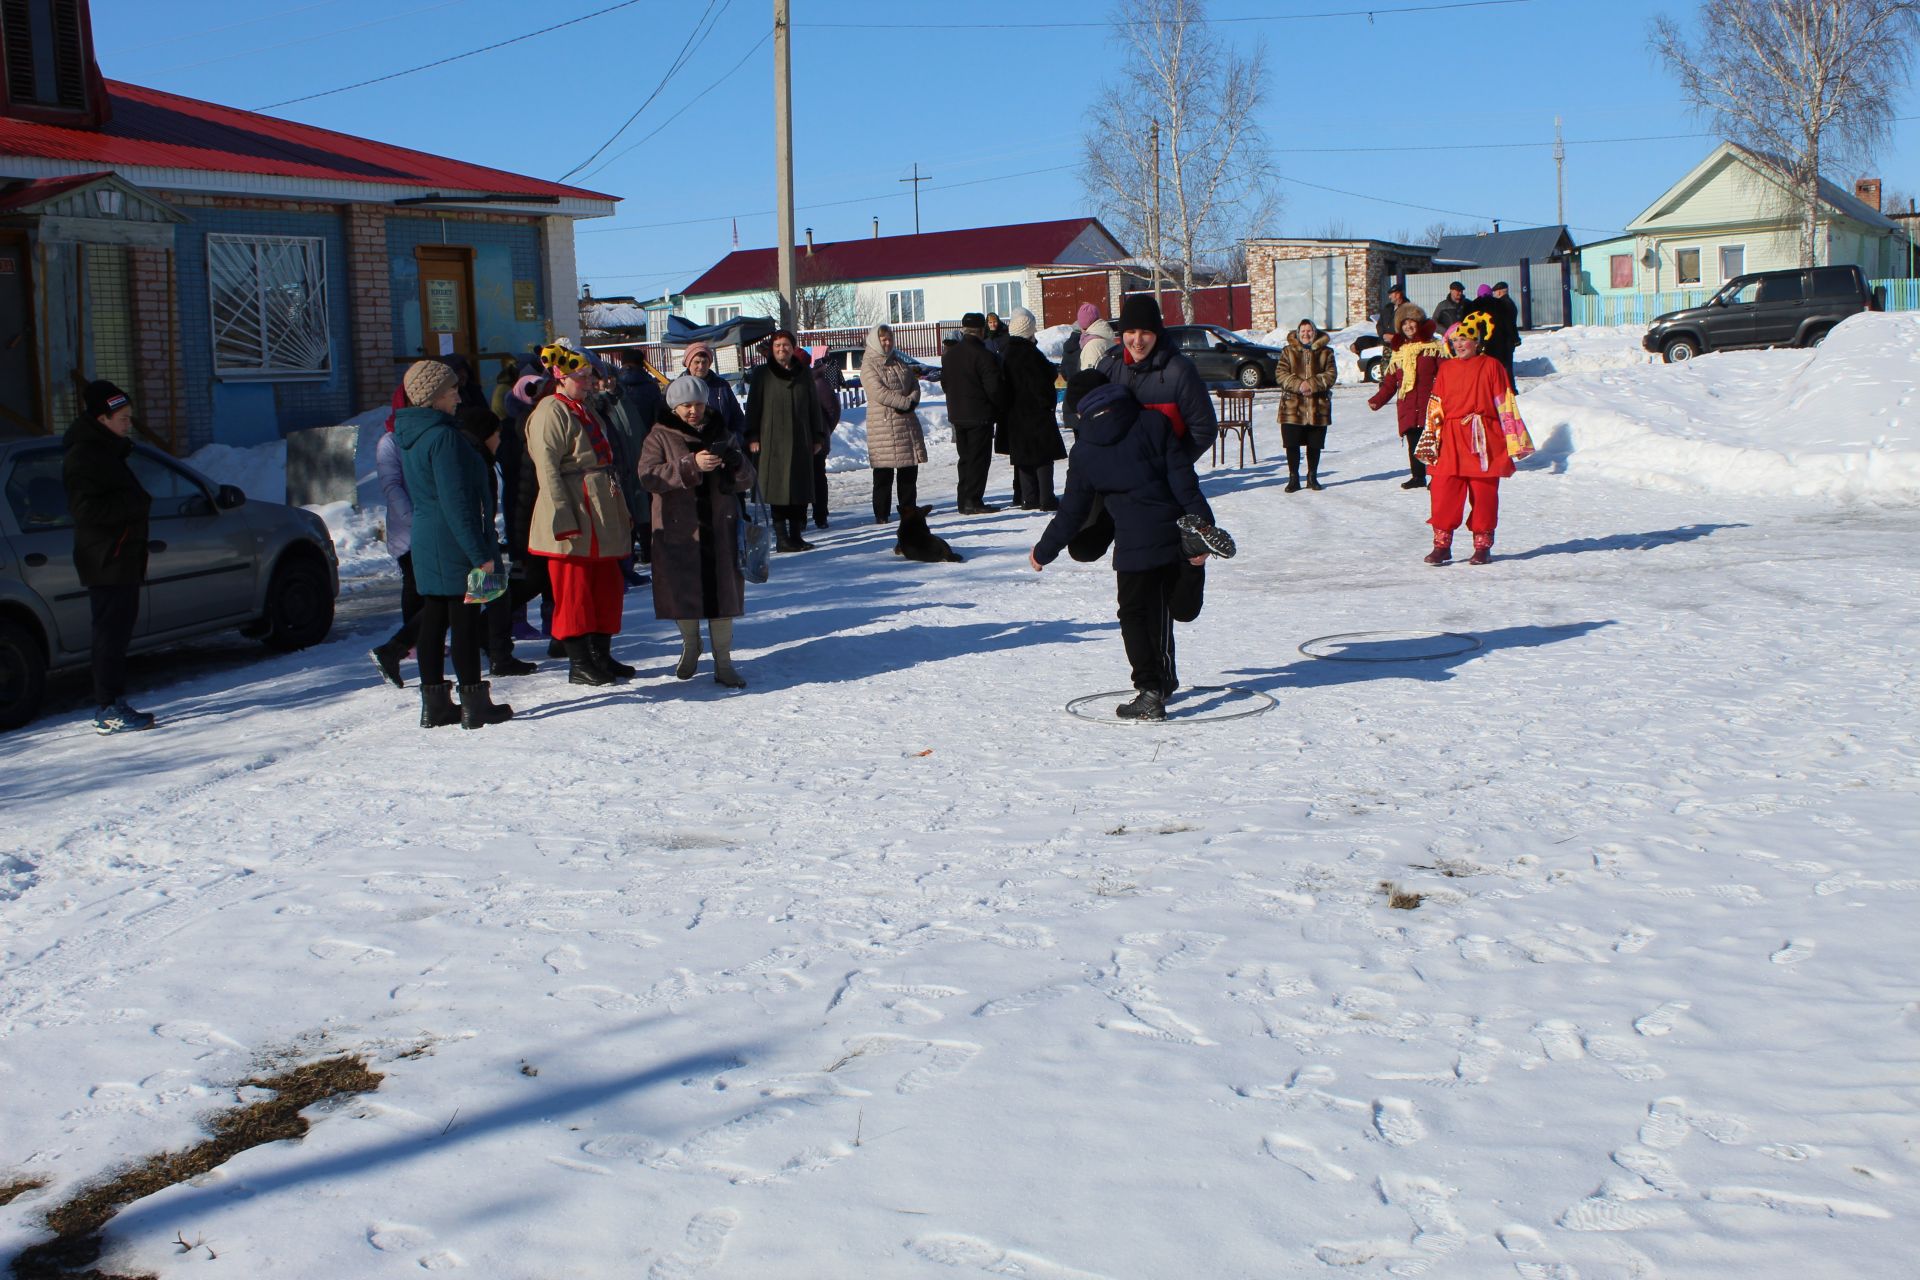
367 272
156 386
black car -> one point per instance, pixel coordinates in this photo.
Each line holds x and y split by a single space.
1791 308
1221 355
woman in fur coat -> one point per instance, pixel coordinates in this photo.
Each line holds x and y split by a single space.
1306 373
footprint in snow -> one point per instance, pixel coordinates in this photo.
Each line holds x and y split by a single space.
1559 1040
1304 1157
565 959
1395 1120
1626 1058
1660 1021
1666 1125
398 1237
1530 1252
953 1250
1634 939
1436 1231
1651 1168
1618 1206
702 1246
1796 950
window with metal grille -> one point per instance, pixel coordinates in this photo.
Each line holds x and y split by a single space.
269 306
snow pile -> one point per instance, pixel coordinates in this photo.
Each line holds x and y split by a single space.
1835 422
848 451
260 471
1052 342
1586 348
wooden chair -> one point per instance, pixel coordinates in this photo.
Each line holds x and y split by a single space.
1236 416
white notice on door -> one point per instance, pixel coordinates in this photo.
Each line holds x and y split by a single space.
446 344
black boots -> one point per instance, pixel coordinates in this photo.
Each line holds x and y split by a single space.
582 666
436 706
388 660
600 645
477 709
508 665
1146 705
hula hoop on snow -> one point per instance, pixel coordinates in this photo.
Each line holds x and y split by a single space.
1262 702
1445 644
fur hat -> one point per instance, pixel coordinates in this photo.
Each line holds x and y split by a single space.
1141 311
1407 311
426 379
103 399
1021 323
973 322
1086 315
686 389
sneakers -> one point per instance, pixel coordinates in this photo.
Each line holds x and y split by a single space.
1198 538
1146 705
121 718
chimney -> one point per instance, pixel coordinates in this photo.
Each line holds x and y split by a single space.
1867 192
876 228
809 242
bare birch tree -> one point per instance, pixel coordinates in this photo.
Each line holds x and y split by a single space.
1216 176
1804 82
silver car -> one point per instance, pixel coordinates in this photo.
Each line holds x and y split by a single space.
215 561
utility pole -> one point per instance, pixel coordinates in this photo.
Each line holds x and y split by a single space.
1560 169
916 180
1153 222
783 153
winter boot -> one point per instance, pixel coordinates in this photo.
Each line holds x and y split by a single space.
478 709
723 672
1482 549
1442 552
1413 482
1313 482
600 644
505 664
581 666
1293 482
689 648
388 660
557 649
1148 704
436 706
1198 538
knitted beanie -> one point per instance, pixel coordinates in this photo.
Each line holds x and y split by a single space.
1086 315
1485 291
697 349
686 389
1141 311
426 379
1021 323
103 399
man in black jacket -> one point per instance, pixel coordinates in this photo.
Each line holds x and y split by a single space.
109 507
1451 309
1506 327
976 395
1383 323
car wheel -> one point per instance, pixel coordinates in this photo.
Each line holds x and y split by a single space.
1249 375
1679 350
1816 336
23 675
1370 370
299 604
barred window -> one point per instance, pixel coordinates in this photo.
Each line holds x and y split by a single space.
269 306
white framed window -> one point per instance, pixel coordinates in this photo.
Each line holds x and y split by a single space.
1686 266
907 306
1000 298
720 315
269 306
1733 261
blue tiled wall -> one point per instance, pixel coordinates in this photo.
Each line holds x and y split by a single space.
253 412
502 253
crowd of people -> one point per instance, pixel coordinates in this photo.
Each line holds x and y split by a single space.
581 478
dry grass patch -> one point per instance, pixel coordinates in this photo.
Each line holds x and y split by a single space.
13 1188
1401 899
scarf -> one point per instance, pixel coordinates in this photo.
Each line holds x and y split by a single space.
1406 358
602 450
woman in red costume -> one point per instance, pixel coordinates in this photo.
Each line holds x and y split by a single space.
1472 438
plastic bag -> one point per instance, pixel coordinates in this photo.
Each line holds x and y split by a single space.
484 586
755 549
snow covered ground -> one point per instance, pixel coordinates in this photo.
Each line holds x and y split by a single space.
888 966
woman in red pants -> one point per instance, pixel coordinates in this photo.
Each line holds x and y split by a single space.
1472 438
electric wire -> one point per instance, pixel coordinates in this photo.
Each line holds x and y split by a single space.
695 38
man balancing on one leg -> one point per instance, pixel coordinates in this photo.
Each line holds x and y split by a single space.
1130 457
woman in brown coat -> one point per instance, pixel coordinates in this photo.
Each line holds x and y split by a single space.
896 446
1307 374
580 525
693 469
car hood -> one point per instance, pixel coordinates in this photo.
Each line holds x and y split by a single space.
1684 313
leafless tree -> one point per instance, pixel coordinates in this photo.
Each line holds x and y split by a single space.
1216 176
1801 81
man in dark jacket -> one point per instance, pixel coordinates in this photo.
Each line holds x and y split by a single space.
1130 458
1506 326
1451 309
1160 377
1383 323
109 507
976 396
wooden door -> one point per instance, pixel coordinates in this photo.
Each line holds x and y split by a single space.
446 302
19 363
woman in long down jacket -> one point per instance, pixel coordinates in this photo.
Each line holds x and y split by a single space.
693 469
896 445
1029 434
1472 437
1408 380
580 524
784 431
1306 372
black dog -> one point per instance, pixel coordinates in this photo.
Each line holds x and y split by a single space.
917 542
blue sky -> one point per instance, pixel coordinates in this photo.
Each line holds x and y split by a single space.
990 104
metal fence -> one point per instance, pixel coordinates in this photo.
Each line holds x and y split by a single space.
920 340
1539 289
1641 308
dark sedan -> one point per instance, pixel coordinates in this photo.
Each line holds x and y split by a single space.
1221 355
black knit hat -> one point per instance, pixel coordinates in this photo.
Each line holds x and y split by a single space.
102 398
1141 311
1081 383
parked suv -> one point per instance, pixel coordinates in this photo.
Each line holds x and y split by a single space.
214 561
1793 308
1221 355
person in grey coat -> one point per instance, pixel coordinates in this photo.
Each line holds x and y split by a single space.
896 445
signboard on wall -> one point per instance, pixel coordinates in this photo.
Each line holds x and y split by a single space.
443 306
526 305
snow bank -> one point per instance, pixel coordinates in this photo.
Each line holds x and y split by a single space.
1586 348
848 452
260 471
1052 342
1836 422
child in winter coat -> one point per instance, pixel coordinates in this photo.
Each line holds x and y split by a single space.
1129 456
1471 440
1306 374
1408 379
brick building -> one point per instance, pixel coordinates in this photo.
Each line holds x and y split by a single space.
243 276
1337 282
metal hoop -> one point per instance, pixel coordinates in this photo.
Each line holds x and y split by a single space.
1266 702
1468 645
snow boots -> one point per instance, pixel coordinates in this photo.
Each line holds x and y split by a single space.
1198 538
387 658
600 645
477 708
1442 552
436 705
1148 704
582 666
1482 549
689 648
722 631
508 665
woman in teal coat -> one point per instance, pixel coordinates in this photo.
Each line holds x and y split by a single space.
452 535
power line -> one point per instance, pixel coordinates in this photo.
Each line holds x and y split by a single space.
680 60
644 138
441 62
1368 14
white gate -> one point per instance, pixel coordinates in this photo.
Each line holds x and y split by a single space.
1314 287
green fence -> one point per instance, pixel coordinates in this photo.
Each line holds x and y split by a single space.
1639 308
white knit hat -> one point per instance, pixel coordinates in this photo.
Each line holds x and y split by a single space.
1021 323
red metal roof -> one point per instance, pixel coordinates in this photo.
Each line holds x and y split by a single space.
18 195
889 257
166 131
